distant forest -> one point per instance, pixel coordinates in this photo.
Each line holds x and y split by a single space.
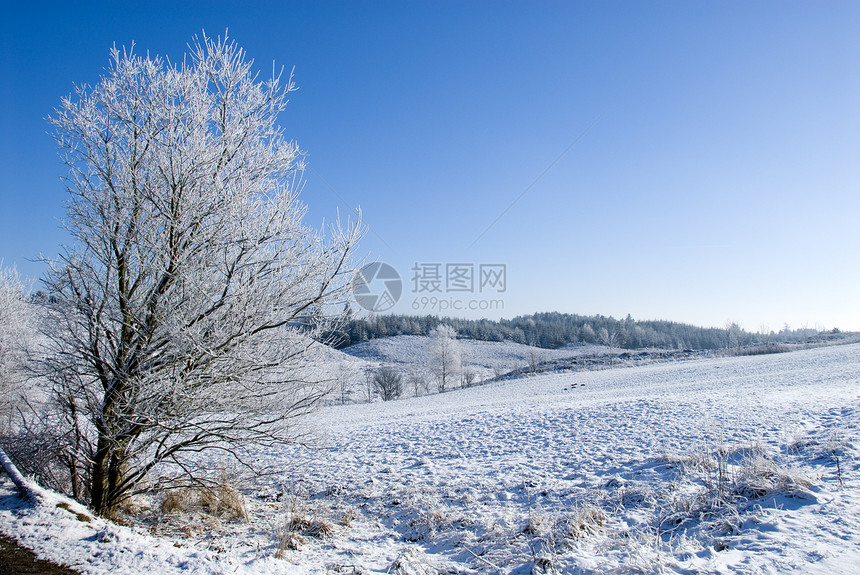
554 330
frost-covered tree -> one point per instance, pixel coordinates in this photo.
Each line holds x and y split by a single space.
467 374
445 355
344 373
388 383
588 334
612 338
419 385
534 359
184 310
734 337
15 326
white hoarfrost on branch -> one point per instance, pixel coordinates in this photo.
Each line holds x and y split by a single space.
15 327
184 312
445 354
26 488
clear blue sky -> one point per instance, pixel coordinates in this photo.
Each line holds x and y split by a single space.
721 180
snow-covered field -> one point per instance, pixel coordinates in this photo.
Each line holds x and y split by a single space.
411 356
729 465
487 355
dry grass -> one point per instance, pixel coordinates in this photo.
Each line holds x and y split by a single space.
761 477
412 562
762 349
82 517
584 520
348 516
298 523
435 518
223 500
540 522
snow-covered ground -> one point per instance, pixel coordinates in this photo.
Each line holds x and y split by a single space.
415 350
411 356
729 465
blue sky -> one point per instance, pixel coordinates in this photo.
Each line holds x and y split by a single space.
691 161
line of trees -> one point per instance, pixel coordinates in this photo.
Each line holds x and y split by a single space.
552 330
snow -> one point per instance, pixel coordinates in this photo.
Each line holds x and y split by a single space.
415 350
726 465
412 355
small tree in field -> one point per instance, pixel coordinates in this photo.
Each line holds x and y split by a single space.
467 375
445 355
183 313
534 359
734 337
611 338
419 385
344 381
388 383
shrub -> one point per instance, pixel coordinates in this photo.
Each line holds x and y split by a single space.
388 383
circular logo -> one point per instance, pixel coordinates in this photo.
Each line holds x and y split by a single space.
377 287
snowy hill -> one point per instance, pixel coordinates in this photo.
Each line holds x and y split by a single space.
726 465
414 349
411 355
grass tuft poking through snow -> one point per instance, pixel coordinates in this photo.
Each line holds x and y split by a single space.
223 500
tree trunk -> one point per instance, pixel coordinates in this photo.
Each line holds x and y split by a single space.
25 488
98 482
